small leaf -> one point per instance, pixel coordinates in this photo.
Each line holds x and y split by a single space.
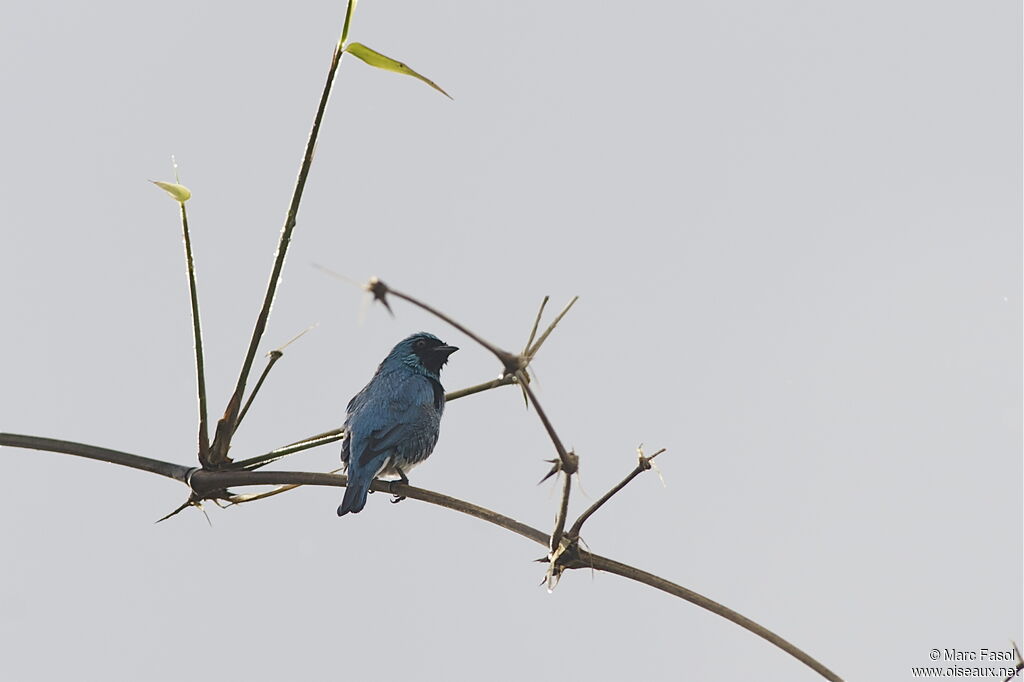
374 58
179 193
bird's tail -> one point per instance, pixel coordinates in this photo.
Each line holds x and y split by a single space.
355 497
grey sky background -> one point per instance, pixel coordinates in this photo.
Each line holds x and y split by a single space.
795 228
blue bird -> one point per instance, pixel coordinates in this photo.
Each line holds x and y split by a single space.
392 424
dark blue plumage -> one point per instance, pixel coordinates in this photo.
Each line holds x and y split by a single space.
392 424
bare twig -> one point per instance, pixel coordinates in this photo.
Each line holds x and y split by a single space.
272 358
207 484
222 441
563 511
555 544
536 324
643 465
529 342
325 438
506 380
197 337
567 465
532 351
380 291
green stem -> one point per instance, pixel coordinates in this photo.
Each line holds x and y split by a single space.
197 335
225 431
275 355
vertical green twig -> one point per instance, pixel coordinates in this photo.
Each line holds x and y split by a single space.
197 334
226 426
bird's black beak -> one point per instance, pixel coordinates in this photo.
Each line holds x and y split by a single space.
445 350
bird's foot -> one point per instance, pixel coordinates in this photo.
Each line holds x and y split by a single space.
404 480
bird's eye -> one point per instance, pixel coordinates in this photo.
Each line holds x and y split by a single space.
419 344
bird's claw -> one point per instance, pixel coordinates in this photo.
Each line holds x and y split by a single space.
397 497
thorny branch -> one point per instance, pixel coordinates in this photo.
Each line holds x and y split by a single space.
643 465
207 484
380 291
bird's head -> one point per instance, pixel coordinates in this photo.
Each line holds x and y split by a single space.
423 352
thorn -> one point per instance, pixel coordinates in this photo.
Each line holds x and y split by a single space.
647 463
280 351
338 275
380 293
536 324
657 470
557 466
187 504
554 574
192 501
593 571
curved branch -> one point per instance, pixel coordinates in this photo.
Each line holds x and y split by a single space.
153 466
205 481
601 563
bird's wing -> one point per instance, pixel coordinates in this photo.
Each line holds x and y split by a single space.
402 411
